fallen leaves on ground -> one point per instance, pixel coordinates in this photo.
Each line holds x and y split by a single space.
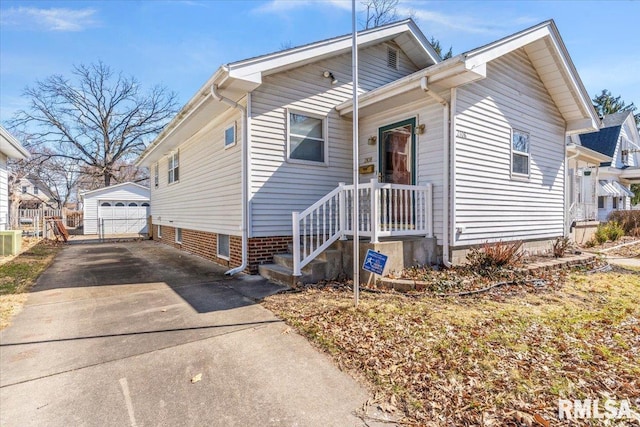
499 359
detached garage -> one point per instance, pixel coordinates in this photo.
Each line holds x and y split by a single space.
118 209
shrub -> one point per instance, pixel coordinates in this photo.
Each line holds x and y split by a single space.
629 220
614 230
600 235
560 246
493 255
608 231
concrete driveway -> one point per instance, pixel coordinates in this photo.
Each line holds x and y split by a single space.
112 335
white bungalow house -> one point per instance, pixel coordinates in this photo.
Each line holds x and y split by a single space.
618 142
453 153
10 148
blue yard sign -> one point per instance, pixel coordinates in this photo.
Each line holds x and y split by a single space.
374 262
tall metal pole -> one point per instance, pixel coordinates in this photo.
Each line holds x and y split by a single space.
356 194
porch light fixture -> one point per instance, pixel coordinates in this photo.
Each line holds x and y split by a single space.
372 140
329 75
419 129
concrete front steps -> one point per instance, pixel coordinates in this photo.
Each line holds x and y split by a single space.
327 266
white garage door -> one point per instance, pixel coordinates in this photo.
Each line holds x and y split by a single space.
123 217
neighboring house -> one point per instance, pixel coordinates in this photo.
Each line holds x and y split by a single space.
35 194
10 148
117 209
619 141
468 150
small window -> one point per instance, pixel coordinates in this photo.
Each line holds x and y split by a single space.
392 58
145 205
223 246
119 205
24 190
230 136
178 235
307 138
105 204
174 167
520 157
156 175
159 231
35 190
600 202
615 203
133 204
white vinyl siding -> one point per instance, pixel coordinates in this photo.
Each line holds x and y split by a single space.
156 175
489 205
208 197
4 194
279 187
122 193
429 147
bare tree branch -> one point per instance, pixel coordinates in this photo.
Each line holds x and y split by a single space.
98 120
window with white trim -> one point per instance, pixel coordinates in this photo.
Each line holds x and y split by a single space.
520 154
306 137
178 235
230 136
35 190
174 167
600 202
223 246
156 174
24 189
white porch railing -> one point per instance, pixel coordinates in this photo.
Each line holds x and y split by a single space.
385 210
583 212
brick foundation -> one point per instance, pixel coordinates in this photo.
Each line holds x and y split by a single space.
205 244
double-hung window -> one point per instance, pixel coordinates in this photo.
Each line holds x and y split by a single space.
307 137
520 154
174 167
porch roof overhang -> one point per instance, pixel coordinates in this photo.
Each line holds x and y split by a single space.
613 189
587 154
547 52
631 174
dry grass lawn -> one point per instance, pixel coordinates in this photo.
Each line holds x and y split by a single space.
500 358
18 274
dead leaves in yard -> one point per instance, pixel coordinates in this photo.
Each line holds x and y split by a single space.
499 360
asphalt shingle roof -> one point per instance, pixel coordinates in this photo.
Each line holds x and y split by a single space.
604 141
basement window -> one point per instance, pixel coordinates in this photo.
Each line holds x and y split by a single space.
159 231
223 246
179 235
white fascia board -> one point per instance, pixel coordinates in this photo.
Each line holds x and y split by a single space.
112 187
254 69
11 147
437 75
584 125
588 154
196 100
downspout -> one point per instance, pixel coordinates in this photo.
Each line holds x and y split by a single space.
446 166
243 153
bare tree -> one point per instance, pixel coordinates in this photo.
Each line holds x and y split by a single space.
380 12
99 121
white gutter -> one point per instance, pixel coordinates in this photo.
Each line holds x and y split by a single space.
243 153
446 166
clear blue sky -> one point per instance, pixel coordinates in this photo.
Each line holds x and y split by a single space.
181 43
